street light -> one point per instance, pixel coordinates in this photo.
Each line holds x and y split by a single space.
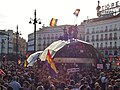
8 45
17 36
35 21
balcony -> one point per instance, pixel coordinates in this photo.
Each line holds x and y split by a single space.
93 40
39 38
97 31
106 30
105 38
110 38
101 48
101 31
39 44
101 39
48 37
44 44
87 40
97 39
110 47
56 37
52 37
110 30
44 37
93 32
87 33
115 47
115 29
115 38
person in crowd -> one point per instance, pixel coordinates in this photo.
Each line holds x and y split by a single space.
26 85
104 81
35 78
85 86
14 83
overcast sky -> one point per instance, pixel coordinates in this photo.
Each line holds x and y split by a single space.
19 12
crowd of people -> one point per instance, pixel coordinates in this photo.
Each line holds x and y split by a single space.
37 77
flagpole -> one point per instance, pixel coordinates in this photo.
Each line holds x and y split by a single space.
75 20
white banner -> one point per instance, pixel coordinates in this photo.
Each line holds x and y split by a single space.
71 70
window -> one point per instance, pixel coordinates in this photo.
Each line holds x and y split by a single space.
110 52
110 27
115 44
56 36
87 39
93 31
101 29
101 37
101 45
115 27
106 36
110 44
115 35
106 44
97 30
97 45
97 37
48 37
92 37
110 36
106 29
87 31
52 37
106 52
115 52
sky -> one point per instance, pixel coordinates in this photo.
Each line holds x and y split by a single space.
19 12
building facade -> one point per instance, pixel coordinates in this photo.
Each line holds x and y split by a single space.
47 35
8 43
104 34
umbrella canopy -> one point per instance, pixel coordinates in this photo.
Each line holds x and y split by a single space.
53 48
56 46
33 58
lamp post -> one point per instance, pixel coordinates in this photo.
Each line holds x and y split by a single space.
35 21
17 36
8 45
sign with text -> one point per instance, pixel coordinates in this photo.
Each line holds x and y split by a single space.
72 70
99 66
110 9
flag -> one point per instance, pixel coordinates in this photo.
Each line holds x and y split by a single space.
76 12
53 22
19 61
25 63
51 65
2 72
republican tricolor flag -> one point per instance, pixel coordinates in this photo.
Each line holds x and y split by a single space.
51 65
53 22
76 13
